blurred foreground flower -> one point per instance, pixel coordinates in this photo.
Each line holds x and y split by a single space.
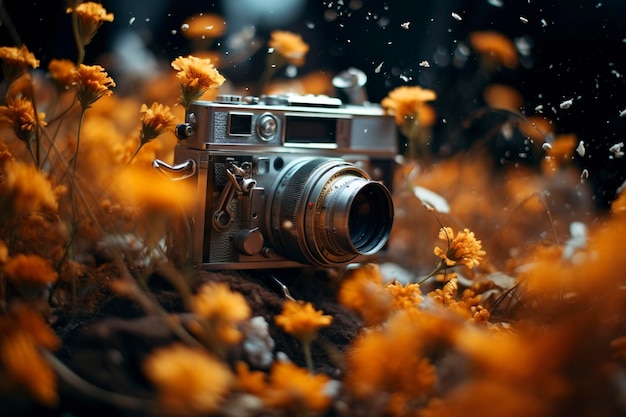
221 310
362 290
19 113
22 367
189 381
302 321
196 77
288 387
23 190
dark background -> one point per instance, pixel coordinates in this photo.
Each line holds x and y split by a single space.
577 51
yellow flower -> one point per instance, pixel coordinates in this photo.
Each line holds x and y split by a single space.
362 291
301 320
189 381
223 308
20 115
463 249
495 47
62 73
90 16
24 189
155 120
404 297
15 62
293 388
91 83
31 268
289 45
196 76
406 102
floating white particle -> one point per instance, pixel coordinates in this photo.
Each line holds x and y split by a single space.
523 19
544 23
546 146
310 25
131 21
539 108
457 16
584 174
616 150
580 149
622 113
566 104
405 25
426 64
184 27
379 67
495 3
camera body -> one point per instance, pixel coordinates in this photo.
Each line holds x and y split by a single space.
283 181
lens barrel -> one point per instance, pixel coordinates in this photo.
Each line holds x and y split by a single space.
326 212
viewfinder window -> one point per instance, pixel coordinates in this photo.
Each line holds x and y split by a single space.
240 124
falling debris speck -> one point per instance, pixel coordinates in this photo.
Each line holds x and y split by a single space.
456 16
495 3
405 25
546 146
622 113
539 108
580 149
544 23
131 21
566 104
523 19
584 174
426 64
184 27
379 68
616 150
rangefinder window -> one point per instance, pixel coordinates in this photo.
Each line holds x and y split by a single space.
304 130
240 124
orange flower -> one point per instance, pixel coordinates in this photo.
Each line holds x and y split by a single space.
301 320
15 62
188 381
90 16
91 83
495 47
463 249
31 268
289 45
20 115
293 388
362 291
62 72
24 189
406 102
408 296
196 76
223 309
155 120
406 371
26 368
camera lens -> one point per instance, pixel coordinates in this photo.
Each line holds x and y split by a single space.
326 211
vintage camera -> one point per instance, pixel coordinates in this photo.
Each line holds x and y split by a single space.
283 181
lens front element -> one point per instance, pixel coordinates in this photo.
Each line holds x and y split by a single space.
326 211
